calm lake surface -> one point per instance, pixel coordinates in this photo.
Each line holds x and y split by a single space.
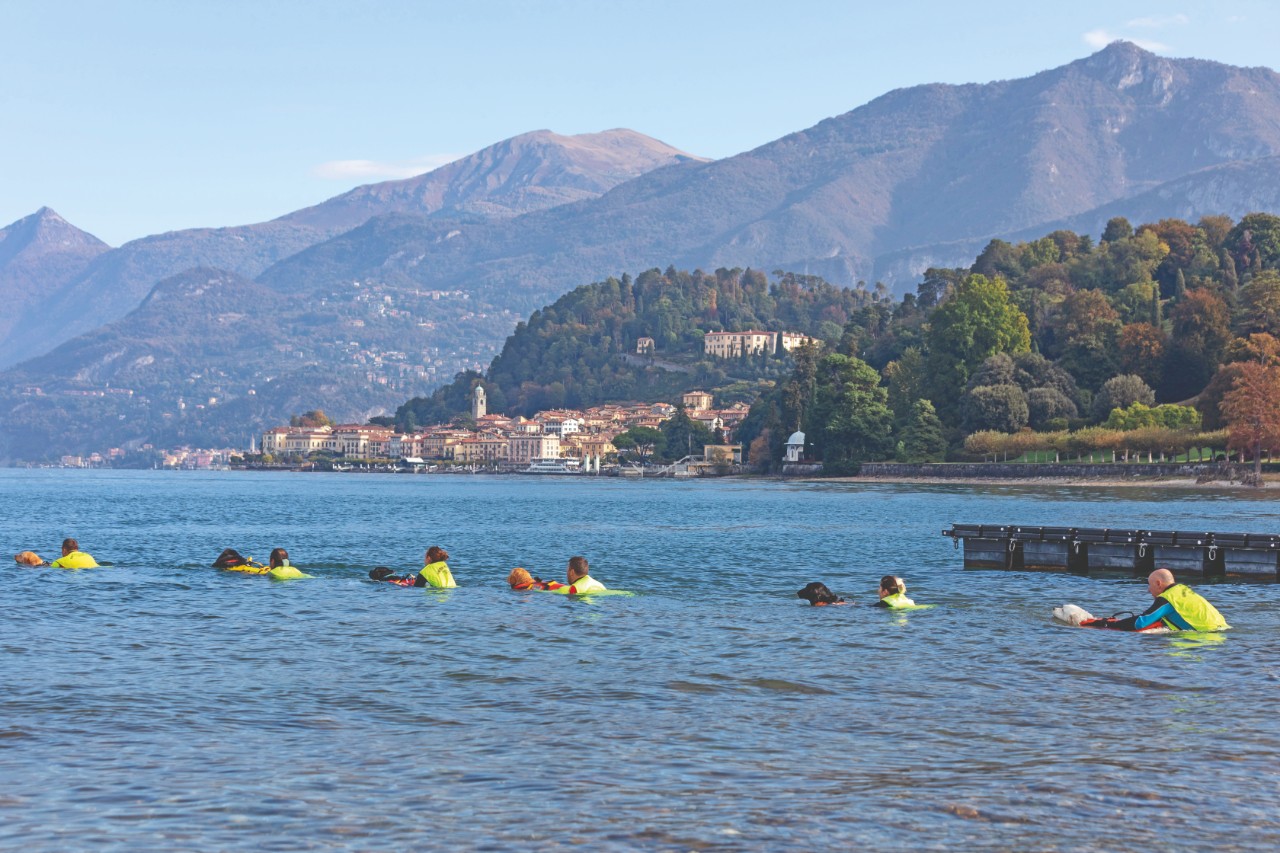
160 704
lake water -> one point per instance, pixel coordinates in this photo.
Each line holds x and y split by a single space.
160 704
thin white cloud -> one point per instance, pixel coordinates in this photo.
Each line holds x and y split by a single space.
1160 22
363 170
1099 39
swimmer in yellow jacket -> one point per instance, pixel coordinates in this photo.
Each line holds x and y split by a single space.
580 583
893 593
436 571
280 569
73 558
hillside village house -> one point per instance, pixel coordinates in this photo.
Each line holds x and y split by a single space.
790 340
696 401
736 344
752 342
644 346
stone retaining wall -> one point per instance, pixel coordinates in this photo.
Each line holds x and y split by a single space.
1034 470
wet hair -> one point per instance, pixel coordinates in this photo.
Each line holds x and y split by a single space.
70 545
229 557
28 558
436 554
279 557
817 593
519 576
579 566
892 584
381 573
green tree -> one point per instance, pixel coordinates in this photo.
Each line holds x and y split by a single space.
1120 392
975 324
1201 330
1001 408
1118 228
907 378
641 443
684 435
850 421
1045 405
922 439
1260 311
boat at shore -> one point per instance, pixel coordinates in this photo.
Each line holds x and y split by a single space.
554 465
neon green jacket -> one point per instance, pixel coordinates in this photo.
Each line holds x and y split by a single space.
438 575
74 560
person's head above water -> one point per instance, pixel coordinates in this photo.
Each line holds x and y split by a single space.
892 585
279 557
1158 581
69 545
519 577
577 568
817 594
436 554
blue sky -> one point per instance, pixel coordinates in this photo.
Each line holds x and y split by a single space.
131 118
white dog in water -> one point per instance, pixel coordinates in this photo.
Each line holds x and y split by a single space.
1071 614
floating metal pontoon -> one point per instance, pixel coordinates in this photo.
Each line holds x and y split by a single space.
1082 550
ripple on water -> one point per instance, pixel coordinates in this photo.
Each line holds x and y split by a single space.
159 704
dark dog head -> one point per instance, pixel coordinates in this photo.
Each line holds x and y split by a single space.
817 593
228 557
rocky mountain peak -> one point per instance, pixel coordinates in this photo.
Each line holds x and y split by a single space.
45 232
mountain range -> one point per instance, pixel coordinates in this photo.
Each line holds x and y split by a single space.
918 177
528 172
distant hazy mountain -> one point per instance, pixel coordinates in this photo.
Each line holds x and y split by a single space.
210 357
923 166
39 255
529 172
533 171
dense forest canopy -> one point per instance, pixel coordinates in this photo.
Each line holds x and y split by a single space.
1056 334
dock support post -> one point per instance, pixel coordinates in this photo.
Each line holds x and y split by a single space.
1078 558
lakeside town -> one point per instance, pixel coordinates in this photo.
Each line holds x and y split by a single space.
553 441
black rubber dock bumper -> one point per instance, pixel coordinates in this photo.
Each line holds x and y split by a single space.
1083 550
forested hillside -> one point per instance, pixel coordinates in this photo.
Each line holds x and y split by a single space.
1054 334
581 350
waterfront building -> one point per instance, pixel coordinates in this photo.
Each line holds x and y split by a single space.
361 441
438 443
481 448
402 445
795 447
523 449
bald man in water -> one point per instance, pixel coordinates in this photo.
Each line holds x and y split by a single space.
1175 606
